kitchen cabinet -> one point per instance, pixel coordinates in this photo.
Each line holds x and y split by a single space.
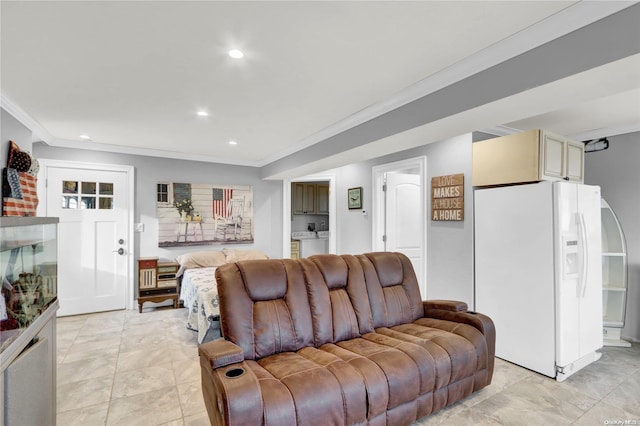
322 198
614 277
309 198
529 156
295 249
303 198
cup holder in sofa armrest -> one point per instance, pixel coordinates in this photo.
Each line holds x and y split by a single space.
232 373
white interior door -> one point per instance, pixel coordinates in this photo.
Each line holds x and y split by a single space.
404 220
93 234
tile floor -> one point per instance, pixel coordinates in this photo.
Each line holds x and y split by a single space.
127 368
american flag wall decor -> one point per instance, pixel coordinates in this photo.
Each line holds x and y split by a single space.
221 197
202 214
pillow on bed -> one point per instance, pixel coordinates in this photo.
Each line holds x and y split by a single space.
237 255
199 259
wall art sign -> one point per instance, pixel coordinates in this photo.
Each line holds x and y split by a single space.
200 214
447 197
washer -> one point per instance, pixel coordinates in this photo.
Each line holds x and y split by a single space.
311 242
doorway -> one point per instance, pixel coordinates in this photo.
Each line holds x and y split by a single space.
326 222
400 212
94 203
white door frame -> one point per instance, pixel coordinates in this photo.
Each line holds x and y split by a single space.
286 208
45 163
378 207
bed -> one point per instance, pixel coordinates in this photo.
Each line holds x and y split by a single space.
199 295
198 290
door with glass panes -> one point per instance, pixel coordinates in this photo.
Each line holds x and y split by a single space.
93 237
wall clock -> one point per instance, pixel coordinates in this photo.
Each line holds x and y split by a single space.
355 198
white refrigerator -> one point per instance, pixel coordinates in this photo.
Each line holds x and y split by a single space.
538 273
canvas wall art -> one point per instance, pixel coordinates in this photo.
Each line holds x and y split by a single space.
200 214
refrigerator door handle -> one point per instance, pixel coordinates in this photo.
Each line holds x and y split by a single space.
584 252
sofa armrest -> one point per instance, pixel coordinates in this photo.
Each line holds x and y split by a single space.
231 391
221 353
445 305
450 310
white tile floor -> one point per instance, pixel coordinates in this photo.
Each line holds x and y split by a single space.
127 368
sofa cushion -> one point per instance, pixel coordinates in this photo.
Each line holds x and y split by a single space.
392 288
319 387
314 390
267 304
338 298
264 280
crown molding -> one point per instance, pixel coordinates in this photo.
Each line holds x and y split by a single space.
125 149
500 130
38 132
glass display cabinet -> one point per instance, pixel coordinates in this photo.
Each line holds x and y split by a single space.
614 277
28 305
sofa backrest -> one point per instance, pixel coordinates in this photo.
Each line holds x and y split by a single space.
338 298
264 307
279 305
392 288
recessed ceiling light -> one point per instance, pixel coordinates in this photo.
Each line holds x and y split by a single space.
233 143
203 113
86 137
236 54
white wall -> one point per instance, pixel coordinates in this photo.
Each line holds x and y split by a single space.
616 171
267 195
12 130
449 244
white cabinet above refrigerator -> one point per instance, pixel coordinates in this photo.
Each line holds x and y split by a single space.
529 156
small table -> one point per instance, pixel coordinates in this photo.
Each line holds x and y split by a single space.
185 234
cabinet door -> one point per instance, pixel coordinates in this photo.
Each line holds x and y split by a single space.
552 157
295 249
322 199
297 198
309 199
147 278
575 161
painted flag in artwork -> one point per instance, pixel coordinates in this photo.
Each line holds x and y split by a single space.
221 197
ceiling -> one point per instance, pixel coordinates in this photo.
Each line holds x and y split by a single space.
133 75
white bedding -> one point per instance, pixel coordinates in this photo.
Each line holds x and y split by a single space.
200 295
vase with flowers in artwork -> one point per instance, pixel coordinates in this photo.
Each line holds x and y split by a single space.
184 207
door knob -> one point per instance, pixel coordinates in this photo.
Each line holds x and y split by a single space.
120 251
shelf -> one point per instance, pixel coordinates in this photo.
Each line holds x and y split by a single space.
614 271
614 254
617 324
613 307
609 288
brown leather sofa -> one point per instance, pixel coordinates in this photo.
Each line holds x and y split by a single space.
338 340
